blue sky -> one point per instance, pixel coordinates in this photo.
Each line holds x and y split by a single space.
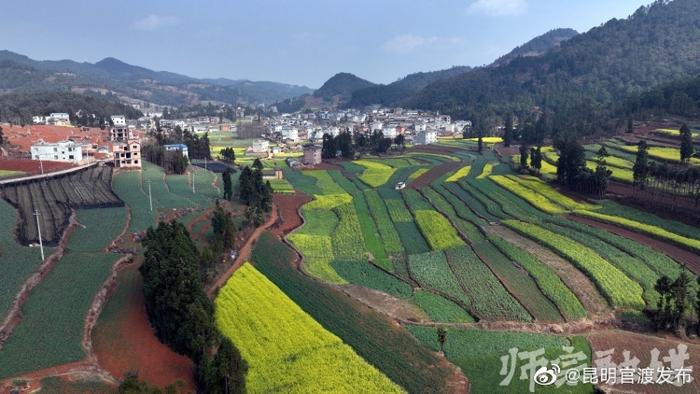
293 41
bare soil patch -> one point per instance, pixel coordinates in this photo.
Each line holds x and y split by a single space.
434 173
640 346
124 341
288 206
683 256
393 307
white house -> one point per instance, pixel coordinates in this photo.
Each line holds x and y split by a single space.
66 151
58 119
119 120
182 148
260 146
425 137
389 132
290 133
38 119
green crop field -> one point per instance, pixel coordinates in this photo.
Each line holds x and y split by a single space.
53 316
375 174
619 289
11 252
547 280
407 364
478 353
286 349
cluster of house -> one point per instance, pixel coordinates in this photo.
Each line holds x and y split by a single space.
417 127
55 119
122 146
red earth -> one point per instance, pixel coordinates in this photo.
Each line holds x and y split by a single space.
434 173
640 346
32 167
288 206
124 341
24 137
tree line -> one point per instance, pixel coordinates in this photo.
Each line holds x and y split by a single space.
184 319
347 144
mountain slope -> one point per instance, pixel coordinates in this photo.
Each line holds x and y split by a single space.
589 75
19 73
342 85
397 91
538 46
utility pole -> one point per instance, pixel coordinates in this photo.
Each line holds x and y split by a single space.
193 192
150 198
205 162
38 229
41 164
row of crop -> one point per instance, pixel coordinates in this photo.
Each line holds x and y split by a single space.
432 272
619 289
664 153
348 243
652 230
392 242
459 174
659 262
359 326
470 201
436 229
551 193
488 298
547 280
459 214
375 174
537 200
370 232
521 285
627 212
632 266
285 348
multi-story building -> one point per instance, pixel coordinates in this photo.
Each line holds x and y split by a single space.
182 148
425 137
66 151
126 148
312 155
119 120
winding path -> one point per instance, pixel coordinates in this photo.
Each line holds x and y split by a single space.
243 253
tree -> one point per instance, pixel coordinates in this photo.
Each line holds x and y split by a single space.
223 227
630 126
257 164
2 137
524 151
480 143
343 142
508 133
383 145
681 292
571 166
687 148
400 140
225 372
641 165
228 154
228 191
601 155
536 159
442 338
328 149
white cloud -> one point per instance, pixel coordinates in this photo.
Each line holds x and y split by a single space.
497 7
408 43
154 22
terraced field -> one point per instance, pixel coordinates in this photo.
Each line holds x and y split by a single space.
286 349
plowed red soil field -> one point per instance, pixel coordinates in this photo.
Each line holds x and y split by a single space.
124 340
288 206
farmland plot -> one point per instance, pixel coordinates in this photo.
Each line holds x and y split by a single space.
615 285
402 358
53 316
478 353
432 272
488 298
286 349
53 198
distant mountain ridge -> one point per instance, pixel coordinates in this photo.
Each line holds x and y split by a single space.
19 73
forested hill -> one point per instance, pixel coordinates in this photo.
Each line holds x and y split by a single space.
394 92
586 77
20 107
342 85
21 74
538 46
